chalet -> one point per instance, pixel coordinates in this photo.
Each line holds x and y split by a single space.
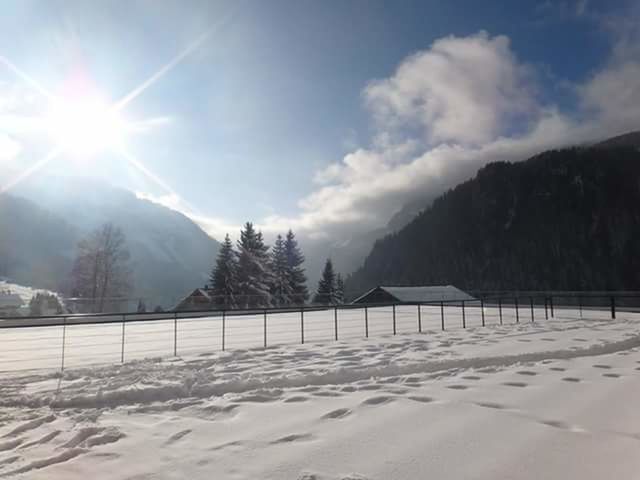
199 299
413 295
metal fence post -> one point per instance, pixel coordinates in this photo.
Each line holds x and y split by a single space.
419 319
302 324
551 305
580 305
175 334
531 301
122 346
64 338
394 318
546 310
500 309
442 314
613 307
223 327
517 313
335 321
366 322
464 318
482 310
265 328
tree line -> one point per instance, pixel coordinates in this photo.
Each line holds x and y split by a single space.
256 275
562 220
251 274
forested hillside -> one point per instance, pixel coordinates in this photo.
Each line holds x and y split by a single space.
566 219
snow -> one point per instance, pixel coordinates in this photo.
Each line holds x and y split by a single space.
25 293
100 343
550 399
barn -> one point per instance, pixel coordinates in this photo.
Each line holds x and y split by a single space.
199 299
413 295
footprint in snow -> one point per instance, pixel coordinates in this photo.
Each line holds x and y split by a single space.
457 387
558 369
378 400
294 437
296 399
606 367
516 384
571 379
493 405
611 375
336 414
527 372
177 436
420 398
556 424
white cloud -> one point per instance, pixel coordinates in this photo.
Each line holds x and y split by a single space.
465 90
449 110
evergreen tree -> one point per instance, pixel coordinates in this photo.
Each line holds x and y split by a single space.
142 308
45 304
281 285
255 276
224 276
297 278
339 295
326 286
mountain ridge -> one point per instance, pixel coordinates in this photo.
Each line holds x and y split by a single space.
170 254
494 209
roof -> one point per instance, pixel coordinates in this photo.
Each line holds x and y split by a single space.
201 292
10 300
422 293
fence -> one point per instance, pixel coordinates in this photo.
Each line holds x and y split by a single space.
84 339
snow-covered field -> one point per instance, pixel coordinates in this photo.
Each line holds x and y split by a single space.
37 348
550 399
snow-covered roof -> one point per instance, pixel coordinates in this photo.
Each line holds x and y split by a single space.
202 292
431 293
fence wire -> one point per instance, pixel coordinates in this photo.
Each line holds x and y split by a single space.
59 342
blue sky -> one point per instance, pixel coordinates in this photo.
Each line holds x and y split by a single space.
286 107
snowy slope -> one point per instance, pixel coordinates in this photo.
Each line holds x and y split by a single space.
25 293
551 399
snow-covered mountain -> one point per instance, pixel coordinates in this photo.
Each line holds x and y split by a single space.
170 254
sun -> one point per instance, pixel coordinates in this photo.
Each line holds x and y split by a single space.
85 126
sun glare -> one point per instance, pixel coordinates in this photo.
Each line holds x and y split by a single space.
85 126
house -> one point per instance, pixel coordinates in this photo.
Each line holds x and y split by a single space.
199 299
413 295
10 303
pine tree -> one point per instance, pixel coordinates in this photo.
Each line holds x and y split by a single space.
224 276
254 269
297 278
326 286
339 294
142 308
281 284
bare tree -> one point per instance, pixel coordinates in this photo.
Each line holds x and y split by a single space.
101 268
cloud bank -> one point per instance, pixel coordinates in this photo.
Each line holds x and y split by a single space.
448 110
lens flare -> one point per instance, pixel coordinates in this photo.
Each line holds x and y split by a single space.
85 126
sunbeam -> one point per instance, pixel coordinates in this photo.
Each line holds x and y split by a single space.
32 169
138 165
120 104
82 127
32 82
